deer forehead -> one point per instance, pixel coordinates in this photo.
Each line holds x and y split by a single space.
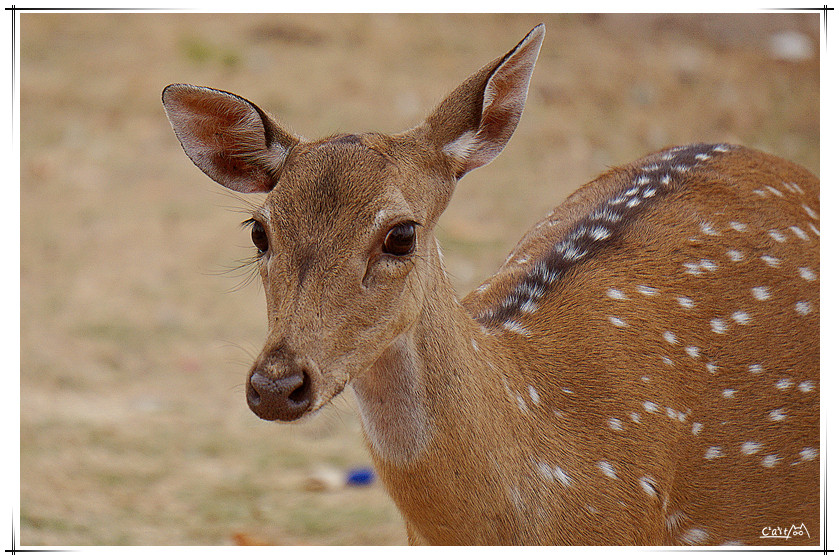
336 189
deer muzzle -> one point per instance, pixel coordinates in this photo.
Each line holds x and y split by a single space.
281 386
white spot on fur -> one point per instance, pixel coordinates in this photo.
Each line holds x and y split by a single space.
546 275
806 386
737 226
670 337
667 361
713 453
635 417
708 265
649 406
735 255
607 469
615 424
771 261
707 229
569 251
741 317
800 233
618 322
686 302
712 368
599 232
761 293
777 236
692 351
802 307
560 476
755 368
728 393
750 447
783 384
777 415
647 291
528 306
808 454
516 327
774 191
615 293
693 268
534 395
806 274
815 229
699 268
530 291
810 212
696 428
718 326
770 461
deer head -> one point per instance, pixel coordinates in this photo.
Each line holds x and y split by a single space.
345 238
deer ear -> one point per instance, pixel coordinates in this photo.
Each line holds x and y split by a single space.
473 124
227 137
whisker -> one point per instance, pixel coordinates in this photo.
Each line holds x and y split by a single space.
250 353
246 203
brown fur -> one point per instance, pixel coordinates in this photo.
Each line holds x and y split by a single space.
576 397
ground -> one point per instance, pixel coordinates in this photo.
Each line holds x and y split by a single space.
135 332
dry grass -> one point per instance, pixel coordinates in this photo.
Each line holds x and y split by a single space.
134 429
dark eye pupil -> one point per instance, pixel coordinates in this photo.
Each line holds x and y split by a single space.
400 240
260 240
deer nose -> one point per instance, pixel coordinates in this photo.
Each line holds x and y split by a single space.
286 397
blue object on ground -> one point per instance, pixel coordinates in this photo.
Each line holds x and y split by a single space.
360 477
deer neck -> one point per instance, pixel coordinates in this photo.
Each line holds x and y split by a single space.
443 424
443 376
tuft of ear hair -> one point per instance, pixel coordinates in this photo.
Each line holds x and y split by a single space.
472 125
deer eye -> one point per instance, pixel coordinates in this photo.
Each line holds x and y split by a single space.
259 237
400 240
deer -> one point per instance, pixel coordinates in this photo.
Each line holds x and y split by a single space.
642 370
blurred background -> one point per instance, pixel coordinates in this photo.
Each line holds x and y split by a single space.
138 328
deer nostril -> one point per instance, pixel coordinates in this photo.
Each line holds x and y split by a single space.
285 398
252 395
300 395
